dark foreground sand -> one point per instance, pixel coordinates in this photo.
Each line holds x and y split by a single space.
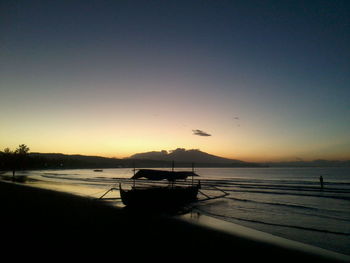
45 225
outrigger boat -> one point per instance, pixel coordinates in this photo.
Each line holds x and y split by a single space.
160 195
151 191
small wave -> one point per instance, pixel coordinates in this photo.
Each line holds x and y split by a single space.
273 203
337 187
60 175
302 208
293 193
294 188
227 218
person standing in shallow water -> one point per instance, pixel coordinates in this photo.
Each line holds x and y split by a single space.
321 181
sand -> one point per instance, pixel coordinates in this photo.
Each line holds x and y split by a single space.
44 225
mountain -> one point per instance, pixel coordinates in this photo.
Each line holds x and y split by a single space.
66 161
181 157
154 159
59 160
198 157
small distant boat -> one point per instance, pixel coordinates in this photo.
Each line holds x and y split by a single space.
164 196
98 170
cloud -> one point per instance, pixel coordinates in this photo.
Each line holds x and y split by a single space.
200 133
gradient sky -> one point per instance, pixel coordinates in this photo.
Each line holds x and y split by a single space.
269 80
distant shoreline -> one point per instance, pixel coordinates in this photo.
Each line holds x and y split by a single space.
41 161
105 162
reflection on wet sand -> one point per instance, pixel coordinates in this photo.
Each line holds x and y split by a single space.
16 178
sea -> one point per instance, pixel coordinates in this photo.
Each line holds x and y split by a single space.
285 202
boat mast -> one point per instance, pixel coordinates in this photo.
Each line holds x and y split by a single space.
192 172
134 170
172 169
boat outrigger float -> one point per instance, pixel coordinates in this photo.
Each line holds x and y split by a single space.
160 195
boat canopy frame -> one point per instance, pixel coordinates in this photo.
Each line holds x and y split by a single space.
158 175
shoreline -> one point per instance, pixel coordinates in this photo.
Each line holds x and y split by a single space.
264 237
79 224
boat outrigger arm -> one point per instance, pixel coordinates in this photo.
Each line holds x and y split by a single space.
110 190
207 197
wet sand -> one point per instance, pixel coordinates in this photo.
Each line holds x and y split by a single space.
44 225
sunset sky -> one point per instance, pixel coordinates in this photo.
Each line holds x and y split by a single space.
268 80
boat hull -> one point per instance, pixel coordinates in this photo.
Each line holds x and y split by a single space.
159 196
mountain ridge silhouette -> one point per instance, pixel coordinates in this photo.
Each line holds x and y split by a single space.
183 155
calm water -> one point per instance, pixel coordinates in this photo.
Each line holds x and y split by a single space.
286 202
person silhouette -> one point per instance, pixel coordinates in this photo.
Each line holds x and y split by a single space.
321 181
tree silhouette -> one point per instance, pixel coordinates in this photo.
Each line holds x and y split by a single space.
7 151
7 159
15 160
21 154
22 150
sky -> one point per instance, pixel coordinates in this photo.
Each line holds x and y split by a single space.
249 80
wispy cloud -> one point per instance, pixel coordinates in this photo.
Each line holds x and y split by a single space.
200 133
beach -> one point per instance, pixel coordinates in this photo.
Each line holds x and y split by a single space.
284 202
43 221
